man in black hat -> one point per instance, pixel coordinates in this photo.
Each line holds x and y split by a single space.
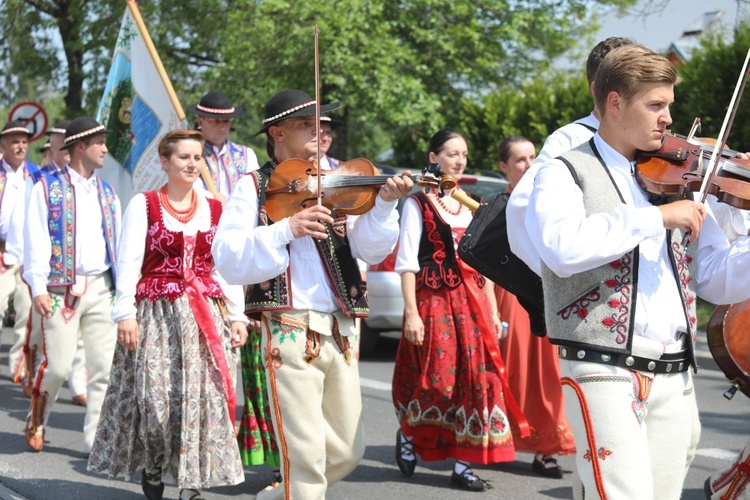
226 160
327 126
29 340
14 168
70 269
306 292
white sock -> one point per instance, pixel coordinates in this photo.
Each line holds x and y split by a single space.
407 448
460 467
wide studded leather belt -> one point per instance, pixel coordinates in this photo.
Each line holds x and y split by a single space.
673 362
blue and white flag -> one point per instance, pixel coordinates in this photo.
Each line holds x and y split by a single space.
138 106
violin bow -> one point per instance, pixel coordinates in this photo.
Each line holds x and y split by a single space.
725 128
317 115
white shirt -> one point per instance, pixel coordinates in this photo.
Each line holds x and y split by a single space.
224 185
733 221
13 186
133 248
570 243
407 258
15 244
246 253
562 140
91 257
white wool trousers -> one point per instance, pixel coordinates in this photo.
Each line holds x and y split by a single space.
12 285
313 389
634 432
59 345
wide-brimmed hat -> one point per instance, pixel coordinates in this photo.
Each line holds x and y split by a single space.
215 105
44 148
332 121
81 128
59 128
290 103
15 127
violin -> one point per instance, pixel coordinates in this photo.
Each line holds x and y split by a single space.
349 189
679 166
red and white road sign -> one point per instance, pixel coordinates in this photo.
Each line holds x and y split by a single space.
33 116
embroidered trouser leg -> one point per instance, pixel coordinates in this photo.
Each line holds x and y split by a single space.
32 349
60 338
22 308
313 386
632 431
732 483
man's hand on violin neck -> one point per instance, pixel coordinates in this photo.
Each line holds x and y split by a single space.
307 222
686 214
397 187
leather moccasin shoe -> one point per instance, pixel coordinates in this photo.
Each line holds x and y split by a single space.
35 439
547 467
80 400
468 481
707 490
405 466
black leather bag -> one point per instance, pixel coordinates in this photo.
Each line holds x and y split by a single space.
484 246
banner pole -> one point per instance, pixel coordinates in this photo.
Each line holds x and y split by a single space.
155 56
133 7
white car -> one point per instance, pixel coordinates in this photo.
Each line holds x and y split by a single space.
384 284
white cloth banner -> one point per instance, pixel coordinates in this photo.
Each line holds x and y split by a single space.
137 109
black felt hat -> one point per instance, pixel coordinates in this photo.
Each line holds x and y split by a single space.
81 128
215 105
290 103
332 121
44 148
15 127
59 128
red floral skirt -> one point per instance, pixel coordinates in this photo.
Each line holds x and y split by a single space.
448 392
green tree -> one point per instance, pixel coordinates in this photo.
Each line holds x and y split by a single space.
403 66
708 82
535 110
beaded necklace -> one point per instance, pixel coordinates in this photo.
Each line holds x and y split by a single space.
440 202
183 216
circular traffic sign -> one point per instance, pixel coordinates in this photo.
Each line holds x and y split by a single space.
33 116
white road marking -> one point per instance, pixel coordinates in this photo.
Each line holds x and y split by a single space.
374 384
717 453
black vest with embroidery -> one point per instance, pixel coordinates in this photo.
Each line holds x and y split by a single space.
340 266
437 256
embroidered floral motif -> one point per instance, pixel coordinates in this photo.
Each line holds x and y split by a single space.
233 162
580 306
604 453
339 227
273 356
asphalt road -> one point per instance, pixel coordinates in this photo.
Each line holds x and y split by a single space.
59 471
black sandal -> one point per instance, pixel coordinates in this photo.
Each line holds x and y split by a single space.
547 467
152 491
405 447
468 481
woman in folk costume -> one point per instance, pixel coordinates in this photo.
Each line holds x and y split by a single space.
449 382
533 366
170 406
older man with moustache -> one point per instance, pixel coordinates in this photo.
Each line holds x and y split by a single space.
14 168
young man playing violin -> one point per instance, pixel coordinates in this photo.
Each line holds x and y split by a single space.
620 287
305 293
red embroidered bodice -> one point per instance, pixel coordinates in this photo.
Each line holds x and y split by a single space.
163 270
